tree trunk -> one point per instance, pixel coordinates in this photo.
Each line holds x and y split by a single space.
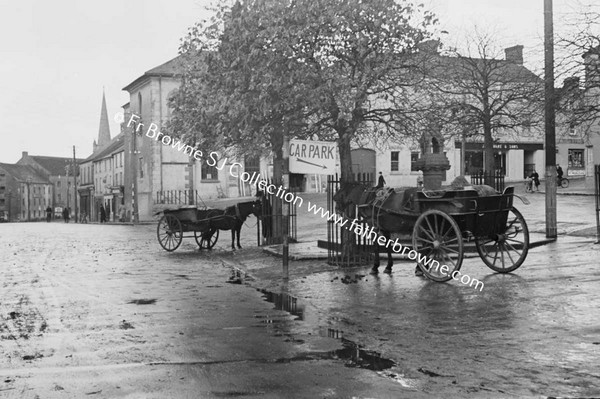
488 145
345 156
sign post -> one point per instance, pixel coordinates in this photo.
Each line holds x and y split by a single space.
311 157
286 208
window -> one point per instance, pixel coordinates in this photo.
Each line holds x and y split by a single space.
209 172
576 159
414 156
58 184
141 167
572 130
59 197
395 157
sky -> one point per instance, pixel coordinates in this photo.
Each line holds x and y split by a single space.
57 58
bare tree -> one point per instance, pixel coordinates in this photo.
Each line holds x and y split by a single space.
487 93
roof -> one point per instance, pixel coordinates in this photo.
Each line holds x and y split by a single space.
54 165
24 172
463 68
116 145
171 68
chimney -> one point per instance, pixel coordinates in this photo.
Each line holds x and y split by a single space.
571 83
591 61
430 46
514 54
24 154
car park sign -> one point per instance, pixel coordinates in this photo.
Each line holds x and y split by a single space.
312 157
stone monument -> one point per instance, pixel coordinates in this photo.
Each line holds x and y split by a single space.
433 162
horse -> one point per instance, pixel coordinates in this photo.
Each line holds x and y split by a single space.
380 208
233 217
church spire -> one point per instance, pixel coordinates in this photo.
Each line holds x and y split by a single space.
104 131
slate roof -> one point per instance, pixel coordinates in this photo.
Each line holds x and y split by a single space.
24 172
461 67
54 165
170 68
116 145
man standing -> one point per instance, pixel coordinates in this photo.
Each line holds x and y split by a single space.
48 214
380 181
559 174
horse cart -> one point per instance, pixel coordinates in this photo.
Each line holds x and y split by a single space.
442 225
175 222
444 222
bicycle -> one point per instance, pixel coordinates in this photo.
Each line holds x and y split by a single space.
562 182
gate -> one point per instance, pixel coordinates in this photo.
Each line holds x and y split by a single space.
271 224
344 247
597 195
494 179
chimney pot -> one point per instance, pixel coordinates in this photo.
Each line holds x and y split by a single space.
24 154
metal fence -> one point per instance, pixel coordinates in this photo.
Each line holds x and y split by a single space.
344 248
272 222
179 197
493 179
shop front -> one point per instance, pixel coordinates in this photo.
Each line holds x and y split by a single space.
512 159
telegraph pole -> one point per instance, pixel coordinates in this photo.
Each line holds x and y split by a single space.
74 185
549 121
286 206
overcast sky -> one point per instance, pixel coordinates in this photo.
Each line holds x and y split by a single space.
56 57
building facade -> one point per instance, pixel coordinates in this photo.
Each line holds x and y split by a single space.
59 172
25 193
157 174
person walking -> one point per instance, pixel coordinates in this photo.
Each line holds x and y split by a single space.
48 214
535 177
102 214
380 181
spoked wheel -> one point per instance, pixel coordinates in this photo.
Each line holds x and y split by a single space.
437 237
169 232
208 239
505 252
564 183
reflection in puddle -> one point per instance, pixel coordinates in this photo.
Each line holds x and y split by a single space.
284 302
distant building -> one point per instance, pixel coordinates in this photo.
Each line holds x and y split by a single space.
25 193
102 173
60 173
156 174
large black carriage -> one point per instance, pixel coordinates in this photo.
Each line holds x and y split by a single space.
442 225
445 221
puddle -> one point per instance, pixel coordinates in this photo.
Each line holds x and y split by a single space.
351 353
143 301
284 302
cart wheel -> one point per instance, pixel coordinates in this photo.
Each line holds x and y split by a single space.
169 232
505 252
437 236
564 183
209 238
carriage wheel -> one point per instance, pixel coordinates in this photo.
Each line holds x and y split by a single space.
209 238
169 232
564 183
505 252
437 236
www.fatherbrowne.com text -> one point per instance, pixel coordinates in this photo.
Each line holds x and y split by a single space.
280 192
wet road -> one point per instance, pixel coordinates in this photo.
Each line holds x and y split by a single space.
104 312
